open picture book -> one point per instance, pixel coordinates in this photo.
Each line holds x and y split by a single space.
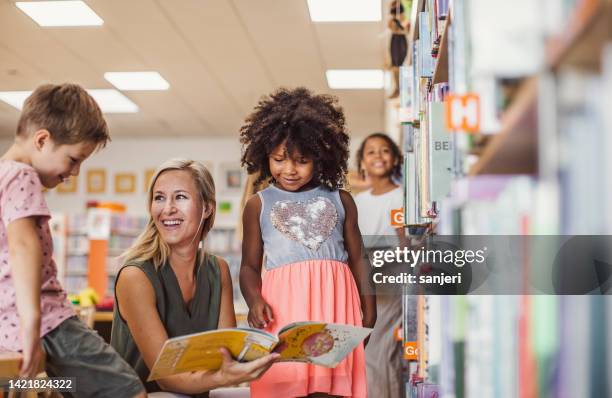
324 344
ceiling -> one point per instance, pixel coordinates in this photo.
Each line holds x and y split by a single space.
219 56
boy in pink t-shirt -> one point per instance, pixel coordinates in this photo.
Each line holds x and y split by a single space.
21 198
60 126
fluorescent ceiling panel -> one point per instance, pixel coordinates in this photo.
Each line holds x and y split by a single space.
345 10
112 101
109 100
60 13
137 81
355 78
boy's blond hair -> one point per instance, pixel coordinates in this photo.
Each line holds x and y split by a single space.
67 111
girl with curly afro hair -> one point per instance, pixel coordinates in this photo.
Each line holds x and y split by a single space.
306 228
312 125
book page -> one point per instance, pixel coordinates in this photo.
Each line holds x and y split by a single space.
324 344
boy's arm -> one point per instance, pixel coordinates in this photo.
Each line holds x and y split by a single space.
354 245
260 312
25 260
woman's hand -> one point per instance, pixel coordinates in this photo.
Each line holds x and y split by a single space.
260 314
232 372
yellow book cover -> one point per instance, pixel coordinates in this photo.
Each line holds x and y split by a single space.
324 344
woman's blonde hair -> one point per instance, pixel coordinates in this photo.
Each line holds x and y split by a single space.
149 245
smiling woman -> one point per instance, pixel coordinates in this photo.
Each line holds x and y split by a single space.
170 287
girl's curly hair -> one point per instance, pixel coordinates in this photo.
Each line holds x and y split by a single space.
313 125
396 172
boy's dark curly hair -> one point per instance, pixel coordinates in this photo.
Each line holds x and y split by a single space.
313 125
396 172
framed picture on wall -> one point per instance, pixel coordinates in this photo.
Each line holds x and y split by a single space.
125 183
96 181
230 177
68 186
228 211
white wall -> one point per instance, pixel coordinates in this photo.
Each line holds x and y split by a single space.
5 143
137 155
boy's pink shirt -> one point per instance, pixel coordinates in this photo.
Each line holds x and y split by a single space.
21 196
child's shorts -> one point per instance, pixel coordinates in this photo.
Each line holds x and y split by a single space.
74 350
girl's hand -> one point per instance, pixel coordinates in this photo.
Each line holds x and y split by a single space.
368 320
260 314
233 372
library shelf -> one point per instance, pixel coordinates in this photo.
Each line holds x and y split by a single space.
414 21
116 251
441 68
514 149
103 316
587 32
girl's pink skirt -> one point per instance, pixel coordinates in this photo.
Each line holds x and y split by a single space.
314 290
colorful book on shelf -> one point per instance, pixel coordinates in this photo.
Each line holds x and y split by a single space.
324 344
426 61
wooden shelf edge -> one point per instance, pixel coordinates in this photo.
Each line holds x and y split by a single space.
585 17
441 68
414 19
507 144
103 316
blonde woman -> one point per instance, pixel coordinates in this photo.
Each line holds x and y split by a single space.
169 287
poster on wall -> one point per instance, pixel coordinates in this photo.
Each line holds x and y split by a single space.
230 177
96 181
68 186
228 211
148 176
98 224
125 183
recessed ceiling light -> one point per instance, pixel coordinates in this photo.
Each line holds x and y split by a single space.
14 98
355 78
109 100
345 10
112 101
60 13
144 81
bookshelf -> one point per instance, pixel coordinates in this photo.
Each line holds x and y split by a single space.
417 6
514 149
93 262
547 129
76 253
223 241
586 33
441 69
